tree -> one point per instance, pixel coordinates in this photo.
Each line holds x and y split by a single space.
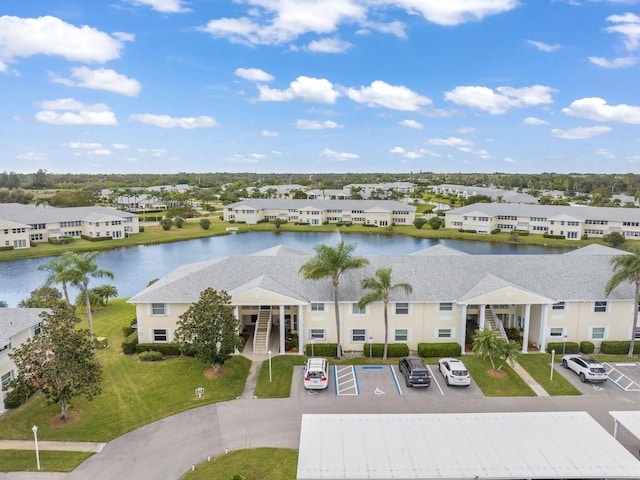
615 239
333 262
419 222
626 268
58 269
60 361
205 223
488 343
209 328
166 223
43 297
381 287
84 267
105 292
435 223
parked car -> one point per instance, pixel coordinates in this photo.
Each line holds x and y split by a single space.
587 369
316 374
415 372
454 371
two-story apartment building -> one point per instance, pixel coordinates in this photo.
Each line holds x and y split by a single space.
22 224
367 190
17 325
552 297
566 221
496 194
379 213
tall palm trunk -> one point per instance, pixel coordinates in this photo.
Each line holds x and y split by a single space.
66 293
337 313
635 319
87 306
386 331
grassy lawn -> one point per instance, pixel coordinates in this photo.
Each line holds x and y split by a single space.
507 384
253 464
539 367
134 393
25 460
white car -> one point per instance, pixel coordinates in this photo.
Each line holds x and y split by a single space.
454 371
587 369
316 374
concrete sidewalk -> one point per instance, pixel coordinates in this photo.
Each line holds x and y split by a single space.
529 380
94 447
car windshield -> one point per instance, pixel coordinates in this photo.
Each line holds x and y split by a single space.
315 374
598 370
419 373
460 373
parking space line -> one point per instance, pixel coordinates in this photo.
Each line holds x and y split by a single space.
395 380
346 380
433 378
620 379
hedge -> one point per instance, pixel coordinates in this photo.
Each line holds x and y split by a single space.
393 349
163 348
95 239
129 343
587 347
321 349
619 347
17 396
446 349
566 347
150 356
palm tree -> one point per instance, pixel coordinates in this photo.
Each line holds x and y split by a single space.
333 262
84 267
58 270
626 268
486 344
381 288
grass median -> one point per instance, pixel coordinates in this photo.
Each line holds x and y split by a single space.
253 464
25 460
538 365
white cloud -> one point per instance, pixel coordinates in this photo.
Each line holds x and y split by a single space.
628 26
500 100
253 74
101 152
534 121
455 12
381 94
165 121
411 124
316 124
120 146
605 153
579 133
84 145
304 89
154 152
597 109
413 154
449 142
338 156
31 156
328 45
544 47
268 133
26 37
100 79
620 62
67 111
465 130
164 6
509 160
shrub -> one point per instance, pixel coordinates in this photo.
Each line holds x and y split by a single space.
18 394
205 223
566 347
163 348
321 349
141 228
435 223
150 356
393 349
95 239
513 334
615 239
60 240
587 347
127 330
618 347
557 237
445 349
129 343
494 231
419 223
178 222
166 223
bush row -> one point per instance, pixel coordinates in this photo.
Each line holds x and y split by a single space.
446 349
394 350
620 347
129 344
150 356
566 347
95 239
163 348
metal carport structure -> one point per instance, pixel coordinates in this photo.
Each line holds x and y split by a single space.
523 445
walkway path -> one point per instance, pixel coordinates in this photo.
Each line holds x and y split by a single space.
47 445
529 380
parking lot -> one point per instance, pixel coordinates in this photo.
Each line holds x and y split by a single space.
624 378
382 381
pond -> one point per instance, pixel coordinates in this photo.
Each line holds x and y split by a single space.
134 267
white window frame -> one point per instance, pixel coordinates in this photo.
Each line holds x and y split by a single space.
36 329
599 304
317 307
355 310
552 335
154 314
155 332
605 333
407 335
317 334
399 308
445 307
558 306
440 331
352 335
5 380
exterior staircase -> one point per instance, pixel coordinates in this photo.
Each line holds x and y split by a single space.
262 331
492 321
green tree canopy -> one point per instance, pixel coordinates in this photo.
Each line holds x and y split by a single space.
626 269
209 328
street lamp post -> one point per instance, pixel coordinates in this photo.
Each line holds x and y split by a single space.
269 366
564 343
370 345
313 342
34 429
553 355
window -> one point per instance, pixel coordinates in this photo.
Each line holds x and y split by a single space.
598 333
317 334
445 333
402 334
558 306
446 307
317 307
356 310
36 330
6 379
7 346
358 335
159 335
556 332
402 308
158 309
600 307
637 333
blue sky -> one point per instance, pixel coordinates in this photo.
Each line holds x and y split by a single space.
164 86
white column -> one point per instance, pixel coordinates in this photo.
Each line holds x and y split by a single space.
525 333
282 329
236 313
301 337
481 319
2 409
463 327
542 341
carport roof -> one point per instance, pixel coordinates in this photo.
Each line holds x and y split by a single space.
629 420
568 445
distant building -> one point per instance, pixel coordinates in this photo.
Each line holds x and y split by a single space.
281 191
367 190
328 194
496 194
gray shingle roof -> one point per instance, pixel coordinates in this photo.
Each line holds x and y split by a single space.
297 204
434 278
30 214
16 320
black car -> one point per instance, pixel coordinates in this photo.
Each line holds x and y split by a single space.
416 373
